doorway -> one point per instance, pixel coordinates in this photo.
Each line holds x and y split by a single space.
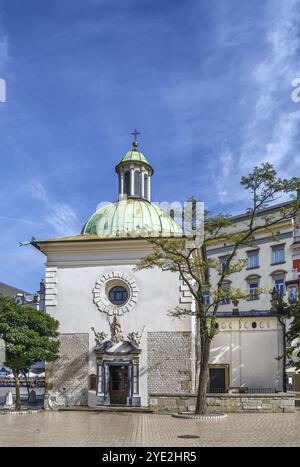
218 378
118 384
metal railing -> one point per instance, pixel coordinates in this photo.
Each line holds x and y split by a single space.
261 390
242 390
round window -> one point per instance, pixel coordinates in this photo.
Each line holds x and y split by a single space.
254 325
118 295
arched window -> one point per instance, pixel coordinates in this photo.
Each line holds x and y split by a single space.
278 280
145 185
127 183
137 183
253 286
226 287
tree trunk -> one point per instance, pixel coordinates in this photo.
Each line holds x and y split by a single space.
203 378
197 353
17 382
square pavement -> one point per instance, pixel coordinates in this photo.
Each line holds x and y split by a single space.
109 429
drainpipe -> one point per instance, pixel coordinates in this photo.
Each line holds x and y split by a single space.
284 375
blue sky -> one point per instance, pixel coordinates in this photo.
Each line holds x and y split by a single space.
208 83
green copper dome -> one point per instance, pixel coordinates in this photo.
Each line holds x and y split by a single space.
131 218
134 156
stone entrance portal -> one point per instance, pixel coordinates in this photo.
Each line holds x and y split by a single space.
117 374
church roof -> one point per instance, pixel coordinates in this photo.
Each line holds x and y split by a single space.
135 156
131 218
10 291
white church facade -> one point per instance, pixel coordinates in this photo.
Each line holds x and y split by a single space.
118 345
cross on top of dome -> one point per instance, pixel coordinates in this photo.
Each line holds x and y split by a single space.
135 143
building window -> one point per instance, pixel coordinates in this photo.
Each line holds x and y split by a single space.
253 290
253 259
127 184
93 382
223 264
278 254
253 282
206 298
118 295
145 185
279 284
137 184
226 300
292 291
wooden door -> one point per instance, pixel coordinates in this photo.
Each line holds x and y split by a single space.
118 384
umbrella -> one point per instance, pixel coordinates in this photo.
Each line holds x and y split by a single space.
31 375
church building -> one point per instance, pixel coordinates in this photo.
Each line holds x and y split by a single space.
118 345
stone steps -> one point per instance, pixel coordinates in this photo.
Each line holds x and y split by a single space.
109 408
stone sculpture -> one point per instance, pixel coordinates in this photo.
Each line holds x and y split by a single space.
99 336
135 338
116 331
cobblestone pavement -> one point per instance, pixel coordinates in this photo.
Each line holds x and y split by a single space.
130 429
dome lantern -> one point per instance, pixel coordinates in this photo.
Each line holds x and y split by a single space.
133 215
135 174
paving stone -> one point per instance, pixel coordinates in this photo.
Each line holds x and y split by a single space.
135 429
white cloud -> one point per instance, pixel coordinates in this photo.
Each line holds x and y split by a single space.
60 216
3 63
271 129
19 219
282 39
283 144
226 166
38 191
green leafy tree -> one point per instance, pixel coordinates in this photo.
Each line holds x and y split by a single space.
290 313
293 336
30 336
179 255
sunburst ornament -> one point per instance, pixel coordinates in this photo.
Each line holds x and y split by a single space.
115 293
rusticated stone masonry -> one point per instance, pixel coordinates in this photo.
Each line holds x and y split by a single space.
67 377
169 362
51 286
226 403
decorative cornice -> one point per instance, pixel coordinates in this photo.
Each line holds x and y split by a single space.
259 241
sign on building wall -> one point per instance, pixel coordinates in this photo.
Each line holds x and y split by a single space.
2 351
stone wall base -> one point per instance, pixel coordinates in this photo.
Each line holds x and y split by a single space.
228 403
67 377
